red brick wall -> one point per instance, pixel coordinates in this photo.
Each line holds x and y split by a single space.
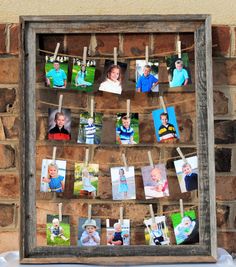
224 72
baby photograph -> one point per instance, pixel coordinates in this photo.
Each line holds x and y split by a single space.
59 124
53 176
166 126
56 72
83 75
118 234
127 129
156 232
178 70
186 228
155 181
113 77
187 173
90 128
86 180
147 76
123 183
89 232
58 232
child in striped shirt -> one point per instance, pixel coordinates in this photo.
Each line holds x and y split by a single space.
90 131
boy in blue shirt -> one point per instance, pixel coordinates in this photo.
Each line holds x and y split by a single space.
146 81
180 75
58 76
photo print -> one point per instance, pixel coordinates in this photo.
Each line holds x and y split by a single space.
59 124
56 72
90 128
127 129
113 77
166 127
155 181
156 233
187 173
147 76
118 234
86 180
89 232
53 176
123 183
178 70
58 232
83 75
186 228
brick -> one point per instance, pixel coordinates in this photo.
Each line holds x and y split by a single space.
6 215
106 43
49 42
223 160
104 187
225 132
187 41
146 129
2 132
139 155
174 189
2 39
40 69
224 72
186 129
164 42
7 98
220 40
42 128
14 38
226 240
77 42
9 241
9 70
220 103
222 215
226 188
11 127
134 45
9 186
8 156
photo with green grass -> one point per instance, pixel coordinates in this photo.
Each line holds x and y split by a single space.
58 232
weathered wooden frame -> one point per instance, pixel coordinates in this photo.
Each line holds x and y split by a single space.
200 25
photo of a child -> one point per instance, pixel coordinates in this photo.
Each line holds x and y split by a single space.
90 128
119 234
165 124
146 76
127 129
89 231
59 124
187 173
56 72
58 233
123 183
53 176
86 180
155 181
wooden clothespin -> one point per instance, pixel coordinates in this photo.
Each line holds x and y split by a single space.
152 213
162 104
128 107
60 103
56 51
86 160
125 162
121 215
91 106
146 55
60 211
85 55
181 155
54 154
150 159
115 55
181 207
179 49
89 212
107 223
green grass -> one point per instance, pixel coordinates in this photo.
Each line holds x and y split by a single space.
57 240
78 185
176 217
49 66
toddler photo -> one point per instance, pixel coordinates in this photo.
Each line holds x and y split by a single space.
118 234
89 232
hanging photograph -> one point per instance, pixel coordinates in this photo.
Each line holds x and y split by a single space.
59 124
53 176
186 228
156 232
89 232
118 234
86 180
90 128
178 70
127 129
187 173
147 76
113 77
155 181
58 232
83 75
56 71
166 127
123 183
